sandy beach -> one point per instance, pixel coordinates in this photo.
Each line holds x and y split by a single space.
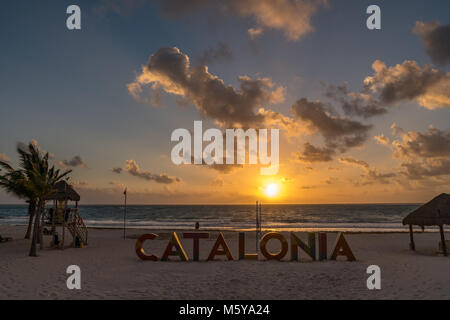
110 269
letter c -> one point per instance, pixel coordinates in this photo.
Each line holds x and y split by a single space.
140 251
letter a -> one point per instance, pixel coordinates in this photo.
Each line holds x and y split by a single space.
74 20
179 251
374 21
216 251
341 248
74 280
374 281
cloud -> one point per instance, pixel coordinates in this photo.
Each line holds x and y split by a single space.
419 170
338 132
291 17
76 161
312 154
354 162
117 170
4 158
254 33
170 70
436 40
132 168
213 54
408 81
381 139
433 143
355 104
423 154
372 175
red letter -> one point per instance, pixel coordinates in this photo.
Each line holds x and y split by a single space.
341 248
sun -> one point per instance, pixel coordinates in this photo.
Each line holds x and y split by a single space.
272 190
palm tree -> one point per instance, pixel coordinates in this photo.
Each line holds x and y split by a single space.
13 182
40 181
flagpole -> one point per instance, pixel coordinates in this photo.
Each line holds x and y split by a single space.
125 213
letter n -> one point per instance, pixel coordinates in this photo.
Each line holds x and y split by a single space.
341 248
310 249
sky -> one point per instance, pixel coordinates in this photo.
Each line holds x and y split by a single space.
363 114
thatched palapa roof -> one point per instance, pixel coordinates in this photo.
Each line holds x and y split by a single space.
64 191
433 213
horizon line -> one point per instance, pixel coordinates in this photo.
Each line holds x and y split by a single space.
234 204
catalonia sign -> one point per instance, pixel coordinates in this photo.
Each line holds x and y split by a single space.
220 247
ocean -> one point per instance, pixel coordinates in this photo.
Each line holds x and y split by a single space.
329 217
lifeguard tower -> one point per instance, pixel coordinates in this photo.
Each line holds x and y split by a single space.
61 215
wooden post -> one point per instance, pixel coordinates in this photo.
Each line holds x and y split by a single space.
63 229
256 228
260 220
412 246
125 213
444 246
41 236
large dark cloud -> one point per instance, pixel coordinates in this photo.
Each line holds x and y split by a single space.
423 154
408 81
436 40
431 144
339 133
170 70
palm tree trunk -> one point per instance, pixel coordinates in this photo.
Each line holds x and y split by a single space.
31 212
36 228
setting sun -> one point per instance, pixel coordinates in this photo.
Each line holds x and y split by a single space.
272 190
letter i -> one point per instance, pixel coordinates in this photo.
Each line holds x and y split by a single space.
322 246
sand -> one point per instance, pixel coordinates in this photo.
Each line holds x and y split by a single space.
110 269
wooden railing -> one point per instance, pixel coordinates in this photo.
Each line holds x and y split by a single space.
76 225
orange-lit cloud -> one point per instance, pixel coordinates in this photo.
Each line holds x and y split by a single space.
408 81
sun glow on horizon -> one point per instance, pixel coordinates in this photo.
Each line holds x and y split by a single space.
272 190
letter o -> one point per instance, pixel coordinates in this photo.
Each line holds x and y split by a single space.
140 251
268 255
